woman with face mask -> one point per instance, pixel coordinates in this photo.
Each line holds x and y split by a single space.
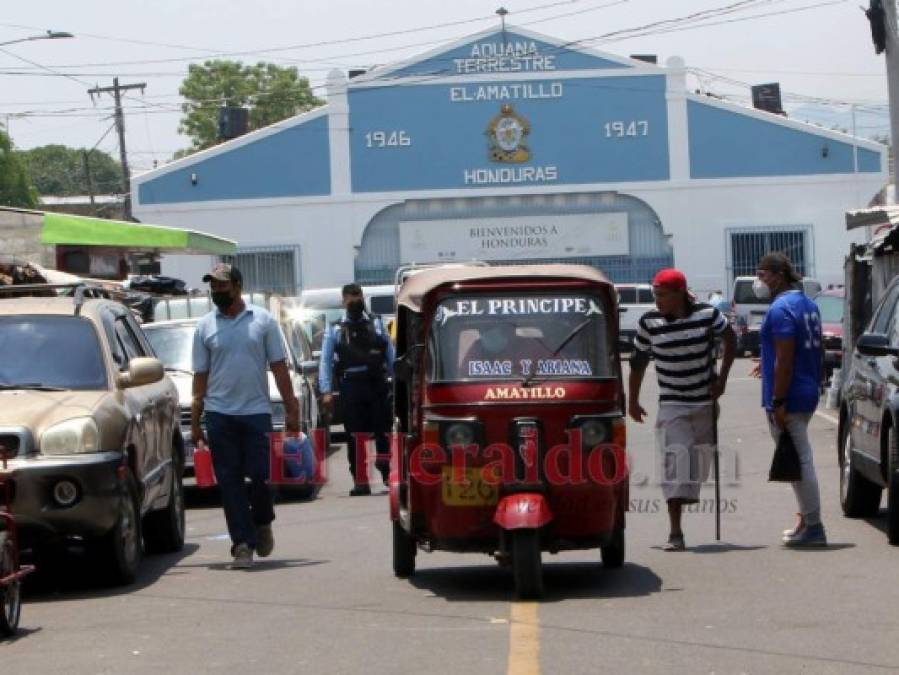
790 369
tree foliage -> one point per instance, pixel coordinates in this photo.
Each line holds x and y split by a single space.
59 170
15 184
272 93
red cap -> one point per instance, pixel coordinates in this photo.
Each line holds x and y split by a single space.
670 278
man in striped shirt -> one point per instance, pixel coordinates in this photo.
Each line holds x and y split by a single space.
680 336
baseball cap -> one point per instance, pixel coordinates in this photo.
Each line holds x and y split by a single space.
670 278
224 272
779 264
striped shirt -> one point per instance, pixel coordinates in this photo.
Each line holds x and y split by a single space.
682 349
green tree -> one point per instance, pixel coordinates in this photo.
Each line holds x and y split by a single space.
58 170
272 93
15 184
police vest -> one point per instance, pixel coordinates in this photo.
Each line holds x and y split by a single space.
358 344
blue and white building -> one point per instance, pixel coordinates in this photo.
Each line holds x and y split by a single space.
512 146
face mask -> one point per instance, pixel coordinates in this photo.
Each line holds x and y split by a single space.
355 308
761 290
222 299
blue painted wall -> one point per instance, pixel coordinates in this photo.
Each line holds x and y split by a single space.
560 58
448 138
725 144
294 162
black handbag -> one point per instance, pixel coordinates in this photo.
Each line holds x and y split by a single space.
785 466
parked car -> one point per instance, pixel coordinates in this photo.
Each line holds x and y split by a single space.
869 415
172 342
749 311
91 420
634 300
830 304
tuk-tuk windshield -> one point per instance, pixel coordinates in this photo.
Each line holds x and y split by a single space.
514 337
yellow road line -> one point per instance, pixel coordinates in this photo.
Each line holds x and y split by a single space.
524 639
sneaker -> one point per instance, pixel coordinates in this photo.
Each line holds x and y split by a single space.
807 537
676 542
265 541
243 557
789 534
360 491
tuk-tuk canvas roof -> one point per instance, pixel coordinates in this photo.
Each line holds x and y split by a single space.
420 284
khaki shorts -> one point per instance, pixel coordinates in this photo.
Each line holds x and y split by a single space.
685 443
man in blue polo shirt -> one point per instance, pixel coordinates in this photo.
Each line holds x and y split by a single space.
790 369
234 346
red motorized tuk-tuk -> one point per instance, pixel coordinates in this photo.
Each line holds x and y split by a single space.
509 408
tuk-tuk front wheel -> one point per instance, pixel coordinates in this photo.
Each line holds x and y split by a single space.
613 552
527 566
404 551
10 595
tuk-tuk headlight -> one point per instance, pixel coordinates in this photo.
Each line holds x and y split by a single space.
458 434
72 436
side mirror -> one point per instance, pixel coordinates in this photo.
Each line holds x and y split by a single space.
622 310
625 345
402 367
872 344
309 367
317 354
141 371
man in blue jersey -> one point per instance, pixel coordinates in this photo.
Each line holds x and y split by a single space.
790 369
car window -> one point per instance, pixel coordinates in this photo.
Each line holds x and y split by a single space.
811 288
382 304
743 294
880 324
173 345
627 296
53 351
831 308
645 296
127 341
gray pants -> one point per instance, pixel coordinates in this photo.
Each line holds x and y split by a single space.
806 490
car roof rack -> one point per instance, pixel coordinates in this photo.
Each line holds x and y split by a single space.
80 291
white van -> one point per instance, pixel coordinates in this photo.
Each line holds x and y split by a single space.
634 300
749 311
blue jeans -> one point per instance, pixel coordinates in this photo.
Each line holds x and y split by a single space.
240 449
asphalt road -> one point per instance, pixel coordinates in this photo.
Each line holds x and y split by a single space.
327 602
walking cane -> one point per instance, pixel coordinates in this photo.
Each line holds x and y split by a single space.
715 409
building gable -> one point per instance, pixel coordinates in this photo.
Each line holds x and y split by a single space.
514 51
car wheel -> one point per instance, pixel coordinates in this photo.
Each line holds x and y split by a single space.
613 552
120 550
859 497
403 552
11 594
893 489
164 530
527 567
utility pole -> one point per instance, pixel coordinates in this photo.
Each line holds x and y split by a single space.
892 59
116 91
86 158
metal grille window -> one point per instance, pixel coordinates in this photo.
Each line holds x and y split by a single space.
274 269
747 247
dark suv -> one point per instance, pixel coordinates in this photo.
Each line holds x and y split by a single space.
869 414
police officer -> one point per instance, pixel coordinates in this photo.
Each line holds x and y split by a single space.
357 358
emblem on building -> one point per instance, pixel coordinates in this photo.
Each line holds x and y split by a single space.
506 136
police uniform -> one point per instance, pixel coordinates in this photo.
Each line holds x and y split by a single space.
357 359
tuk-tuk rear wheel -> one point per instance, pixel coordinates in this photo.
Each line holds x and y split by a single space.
527 566
10 595
612 553
404 551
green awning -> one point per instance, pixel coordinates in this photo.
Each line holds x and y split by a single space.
64 228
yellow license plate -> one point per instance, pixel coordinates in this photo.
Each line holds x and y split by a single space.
468 488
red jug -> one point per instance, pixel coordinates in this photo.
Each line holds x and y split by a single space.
203 467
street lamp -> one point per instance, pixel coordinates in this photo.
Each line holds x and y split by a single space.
49 35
